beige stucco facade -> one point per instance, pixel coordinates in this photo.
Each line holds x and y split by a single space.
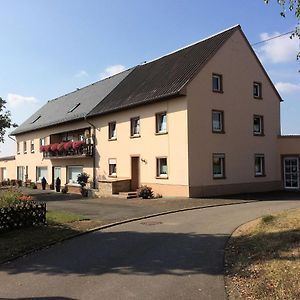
189 142
33 159
7 169
239 68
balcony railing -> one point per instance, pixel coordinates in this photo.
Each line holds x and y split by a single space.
67 150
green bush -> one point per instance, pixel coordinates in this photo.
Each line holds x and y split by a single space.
9 198
145 192
33 186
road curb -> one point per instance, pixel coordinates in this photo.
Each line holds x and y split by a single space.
98 228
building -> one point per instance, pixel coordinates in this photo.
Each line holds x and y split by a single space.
201 121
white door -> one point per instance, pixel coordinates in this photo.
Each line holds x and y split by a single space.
291 172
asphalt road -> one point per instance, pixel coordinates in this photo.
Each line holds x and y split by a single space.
176 256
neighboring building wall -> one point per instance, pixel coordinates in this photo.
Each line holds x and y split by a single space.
289 145
148 146
240 69
10 166
34 160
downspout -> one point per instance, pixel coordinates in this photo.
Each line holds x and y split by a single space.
94 151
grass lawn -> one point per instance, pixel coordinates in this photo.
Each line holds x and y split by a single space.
60 225
263 259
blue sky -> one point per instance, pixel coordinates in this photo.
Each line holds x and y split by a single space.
49 48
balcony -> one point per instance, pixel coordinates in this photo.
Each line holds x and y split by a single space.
76 149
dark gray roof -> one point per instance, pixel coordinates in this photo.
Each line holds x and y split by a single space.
57 111
4 158
163 77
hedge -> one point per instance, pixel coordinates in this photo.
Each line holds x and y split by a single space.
22 215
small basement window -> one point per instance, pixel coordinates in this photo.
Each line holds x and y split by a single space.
73 108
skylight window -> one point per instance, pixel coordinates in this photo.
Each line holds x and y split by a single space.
35 119
73 108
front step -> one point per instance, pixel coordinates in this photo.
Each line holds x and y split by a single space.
128 195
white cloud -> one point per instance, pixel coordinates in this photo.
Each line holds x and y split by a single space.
14 100
81 73
278 50
112 70
287 87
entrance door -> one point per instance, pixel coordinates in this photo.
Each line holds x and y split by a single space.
291 172
135 172
56 173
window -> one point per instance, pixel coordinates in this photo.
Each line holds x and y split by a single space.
3 174
135 127
112 131
217 84
257 90
25 147
32 146
112 166
73 108
161 123
41 172
218 166
20 173
259 165
42 141
161 167
18 148
73 172
258 125
217 121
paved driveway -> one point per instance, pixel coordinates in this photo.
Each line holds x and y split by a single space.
108 210
176 256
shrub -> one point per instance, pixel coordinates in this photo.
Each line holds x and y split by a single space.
83 178
65 189
33 186
145 192
9 198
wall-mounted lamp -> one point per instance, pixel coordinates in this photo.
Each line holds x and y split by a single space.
144 160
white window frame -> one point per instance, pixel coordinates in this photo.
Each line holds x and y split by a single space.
159 117
219 79
221 158
135 123
24 147
261 158
38 173
112 132
220 120
257 86
261 125
69 179
112 167
158 167
32 146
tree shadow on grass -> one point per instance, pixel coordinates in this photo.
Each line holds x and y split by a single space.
129 252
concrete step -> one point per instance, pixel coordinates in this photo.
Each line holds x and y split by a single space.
128 195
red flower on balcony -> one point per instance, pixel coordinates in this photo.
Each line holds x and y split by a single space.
60 146
68 146
54 147
42 148
78 144
47 148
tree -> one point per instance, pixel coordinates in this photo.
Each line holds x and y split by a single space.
294 7
5 120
